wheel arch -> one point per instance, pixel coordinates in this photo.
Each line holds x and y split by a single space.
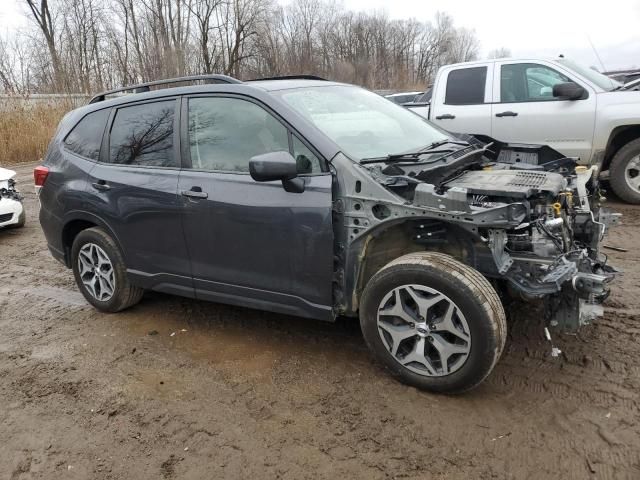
393 239
76 222
619 137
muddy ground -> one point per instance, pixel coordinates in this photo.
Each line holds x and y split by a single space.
176 388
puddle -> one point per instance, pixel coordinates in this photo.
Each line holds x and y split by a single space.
60 295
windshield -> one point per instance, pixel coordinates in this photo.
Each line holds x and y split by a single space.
590 74
362 123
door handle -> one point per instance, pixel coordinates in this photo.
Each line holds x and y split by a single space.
507 114
195 192
101 185
446 116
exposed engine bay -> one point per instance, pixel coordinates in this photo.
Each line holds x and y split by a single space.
8 190
534 217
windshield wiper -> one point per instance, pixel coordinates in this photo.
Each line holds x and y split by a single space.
414 156
439 143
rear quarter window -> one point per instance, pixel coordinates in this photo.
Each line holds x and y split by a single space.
466 86
86 137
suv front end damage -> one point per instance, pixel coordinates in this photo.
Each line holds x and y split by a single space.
524 216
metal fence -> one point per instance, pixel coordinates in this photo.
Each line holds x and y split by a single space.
8 102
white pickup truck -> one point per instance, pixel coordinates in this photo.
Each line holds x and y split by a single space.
556 102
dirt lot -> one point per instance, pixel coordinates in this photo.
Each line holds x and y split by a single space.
176 388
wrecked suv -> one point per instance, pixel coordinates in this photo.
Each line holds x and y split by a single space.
318 199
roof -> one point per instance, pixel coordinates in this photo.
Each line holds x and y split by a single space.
212 80
507 59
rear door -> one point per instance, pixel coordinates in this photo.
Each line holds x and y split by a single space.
252 243
525 111
134 191
462 99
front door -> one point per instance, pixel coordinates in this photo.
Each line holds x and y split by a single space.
253 243
525 110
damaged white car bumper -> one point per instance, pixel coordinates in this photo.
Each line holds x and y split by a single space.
11 208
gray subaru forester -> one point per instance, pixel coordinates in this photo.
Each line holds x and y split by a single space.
318 199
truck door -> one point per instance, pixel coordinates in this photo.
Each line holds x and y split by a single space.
462 99
525 110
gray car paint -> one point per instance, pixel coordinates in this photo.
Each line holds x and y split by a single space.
248 243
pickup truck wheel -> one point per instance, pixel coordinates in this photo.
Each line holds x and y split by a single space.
434 322
625 172
100 272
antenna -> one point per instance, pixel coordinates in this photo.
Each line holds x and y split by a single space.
596 52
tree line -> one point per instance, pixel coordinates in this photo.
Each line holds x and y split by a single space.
84 46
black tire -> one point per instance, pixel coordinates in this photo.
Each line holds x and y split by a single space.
471 293
124 295
617 172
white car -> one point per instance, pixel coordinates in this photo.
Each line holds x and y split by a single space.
556 102
12 212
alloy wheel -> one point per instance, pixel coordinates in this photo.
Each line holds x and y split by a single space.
96 272
632 173
424 330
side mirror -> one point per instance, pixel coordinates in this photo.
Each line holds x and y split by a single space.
277 166
568 91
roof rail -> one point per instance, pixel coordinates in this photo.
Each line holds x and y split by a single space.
290 77
144 87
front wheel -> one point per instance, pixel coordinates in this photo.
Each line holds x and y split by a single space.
434 322
100 272
624 173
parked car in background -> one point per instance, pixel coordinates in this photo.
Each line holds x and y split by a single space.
554 102
12 212
403 97
319 199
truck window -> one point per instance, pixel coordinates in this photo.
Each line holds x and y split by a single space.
528 82
465 86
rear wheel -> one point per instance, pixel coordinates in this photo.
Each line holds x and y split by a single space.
100 272
625 172
434 322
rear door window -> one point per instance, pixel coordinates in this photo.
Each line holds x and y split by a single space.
143 135
466 86
86 136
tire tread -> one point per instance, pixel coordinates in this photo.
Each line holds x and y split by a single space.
477 283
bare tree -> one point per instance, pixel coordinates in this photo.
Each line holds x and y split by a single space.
501 52
96 44
43 18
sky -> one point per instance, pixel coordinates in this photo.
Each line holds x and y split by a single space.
539 28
